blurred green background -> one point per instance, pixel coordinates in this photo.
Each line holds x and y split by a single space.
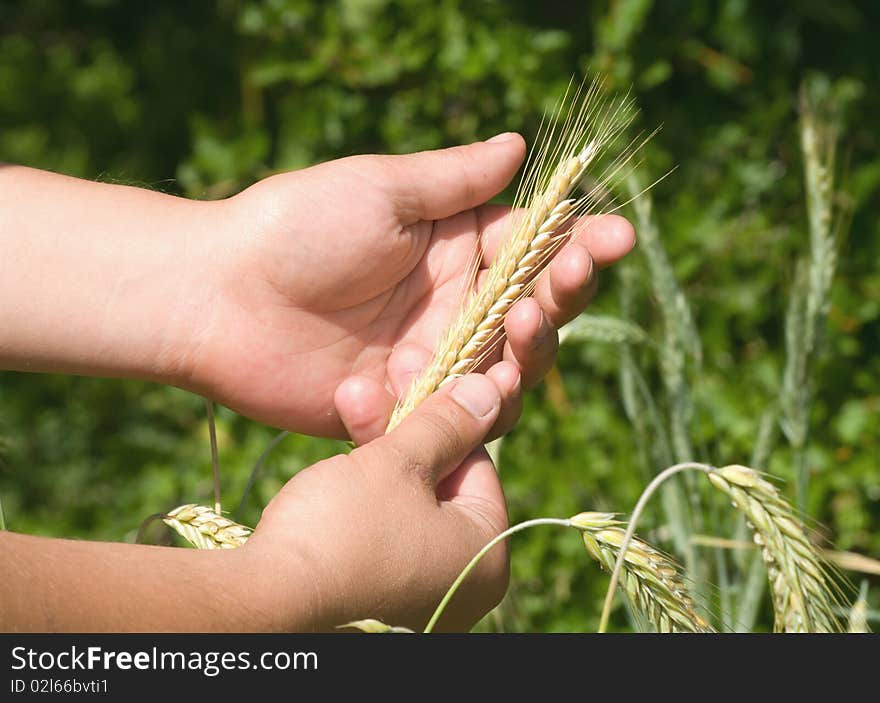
203 98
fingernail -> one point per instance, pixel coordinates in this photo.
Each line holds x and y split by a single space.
503 137
591 269
543 331
475 394
516 386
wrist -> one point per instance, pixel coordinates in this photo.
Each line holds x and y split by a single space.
166 282
189 276
110 279
281 590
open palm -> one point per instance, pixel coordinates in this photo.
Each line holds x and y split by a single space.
338 279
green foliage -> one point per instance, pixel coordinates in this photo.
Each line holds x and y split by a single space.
202 99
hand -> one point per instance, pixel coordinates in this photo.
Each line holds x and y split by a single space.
381 532
384 531
337 280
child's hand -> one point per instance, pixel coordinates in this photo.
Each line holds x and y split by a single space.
381 532
347 272
384 531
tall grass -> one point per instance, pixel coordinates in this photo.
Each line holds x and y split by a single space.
661 413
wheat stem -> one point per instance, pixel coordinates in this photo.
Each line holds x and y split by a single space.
631 528
215 461
264 455
479 555
680 340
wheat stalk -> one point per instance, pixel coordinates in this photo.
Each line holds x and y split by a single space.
803 599
680 336
810 297
648 578
680 341
560 164
205 529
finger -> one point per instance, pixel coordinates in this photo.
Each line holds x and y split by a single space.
475 484
532 340
608 238
570 282
430 185
476 511
364 406
442 431
409 359
506 376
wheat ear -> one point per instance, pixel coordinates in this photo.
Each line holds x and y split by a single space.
858 614
803 596
205 529
373 626
649 579
564 155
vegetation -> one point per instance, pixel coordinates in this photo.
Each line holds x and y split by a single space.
743 331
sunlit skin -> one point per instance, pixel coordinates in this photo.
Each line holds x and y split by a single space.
307 301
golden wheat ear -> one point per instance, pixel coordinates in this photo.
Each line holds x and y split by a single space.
575 142
205 529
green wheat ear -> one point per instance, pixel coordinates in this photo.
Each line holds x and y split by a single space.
650 580
804 599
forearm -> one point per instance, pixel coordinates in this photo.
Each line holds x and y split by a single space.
98 278
63 585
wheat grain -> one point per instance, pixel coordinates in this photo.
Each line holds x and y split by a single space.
803 598
561 162
373 626
205 529
649 578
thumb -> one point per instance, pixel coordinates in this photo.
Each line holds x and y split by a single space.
429 185
439 434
